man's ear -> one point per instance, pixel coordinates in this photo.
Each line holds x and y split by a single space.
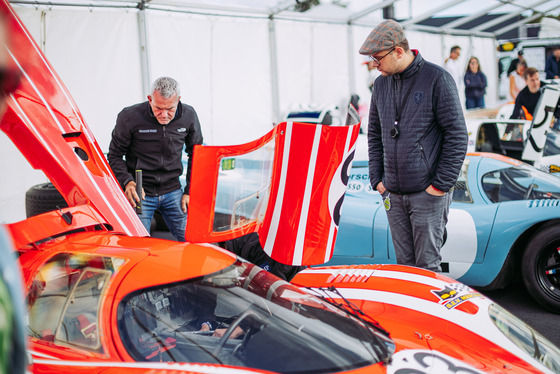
150 98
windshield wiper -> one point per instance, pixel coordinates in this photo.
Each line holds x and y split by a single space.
347 306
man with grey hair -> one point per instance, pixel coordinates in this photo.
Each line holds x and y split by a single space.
150 136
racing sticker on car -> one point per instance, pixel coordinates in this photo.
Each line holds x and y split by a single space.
358 182
416 361
453 294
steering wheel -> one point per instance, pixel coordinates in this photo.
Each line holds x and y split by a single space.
231 328
529 191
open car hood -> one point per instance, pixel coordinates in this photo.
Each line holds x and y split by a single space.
288 186
44 123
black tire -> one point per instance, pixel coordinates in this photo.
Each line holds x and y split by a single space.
43 198
541 268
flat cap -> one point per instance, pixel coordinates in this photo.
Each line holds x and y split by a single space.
384 36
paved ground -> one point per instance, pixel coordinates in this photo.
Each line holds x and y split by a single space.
517 301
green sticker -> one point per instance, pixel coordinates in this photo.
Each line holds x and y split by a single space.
228 164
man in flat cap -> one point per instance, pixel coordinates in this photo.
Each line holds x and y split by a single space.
417 141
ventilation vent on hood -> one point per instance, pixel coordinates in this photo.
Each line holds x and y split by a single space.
350 275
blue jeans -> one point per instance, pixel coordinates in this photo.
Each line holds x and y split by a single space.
169 205
417 222
474 102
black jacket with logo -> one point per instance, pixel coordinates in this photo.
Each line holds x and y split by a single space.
154 148
432 140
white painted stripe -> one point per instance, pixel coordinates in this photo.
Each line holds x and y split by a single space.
478 323
36 89
302 226
275 219
47 66
39 354
39 136
330 242
273 288
62 88
254 271
148 365
416 278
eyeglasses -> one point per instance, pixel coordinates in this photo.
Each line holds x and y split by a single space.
9 81
377 61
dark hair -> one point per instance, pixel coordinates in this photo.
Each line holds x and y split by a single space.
469 64
529 72
454 48
521 63
404 45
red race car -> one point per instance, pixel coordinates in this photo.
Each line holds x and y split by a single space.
103 297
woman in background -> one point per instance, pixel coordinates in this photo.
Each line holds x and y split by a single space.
475 85
516 80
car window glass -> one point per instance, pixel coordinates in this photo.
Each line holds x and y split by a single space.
244 316
65 297
461 193
243 188
520 183
79 324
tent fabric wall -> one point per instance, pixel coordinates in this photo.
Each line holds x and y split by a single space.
313 65
226 80
223 63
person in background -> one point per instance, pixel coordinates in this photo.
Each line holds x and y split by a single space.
552 66
475 85
515 61
373 73
529 96
452 64
516 81
414 160
151 137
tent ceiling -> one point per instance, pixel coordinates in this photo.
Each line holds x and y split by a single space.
462 17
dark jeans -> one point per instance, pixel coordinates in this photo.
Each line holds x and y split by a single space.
474 102
169 205
417 222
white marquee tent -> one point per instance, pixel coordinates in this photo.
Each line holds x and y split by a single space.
242 64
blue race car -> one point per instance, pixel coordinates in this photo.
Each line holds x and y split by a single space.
504 222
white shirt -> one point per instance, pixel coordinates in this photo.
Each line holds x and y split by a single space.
452 66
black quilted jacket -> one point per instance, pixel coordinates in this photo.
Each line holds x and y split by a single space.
154 148
432 140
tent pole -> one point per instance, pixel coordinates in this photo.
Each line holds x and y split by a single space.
143 39
274 69
351 59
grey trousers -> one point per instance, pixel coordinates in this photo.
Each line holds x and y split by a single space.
417 222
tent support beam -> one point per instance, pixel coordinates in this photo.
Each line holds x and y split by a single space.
274 69
463 20
351 60
143 41
369 10
523 21
427 15
505 17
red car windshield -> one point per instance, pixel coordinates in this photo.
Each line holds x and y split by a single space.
244 316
